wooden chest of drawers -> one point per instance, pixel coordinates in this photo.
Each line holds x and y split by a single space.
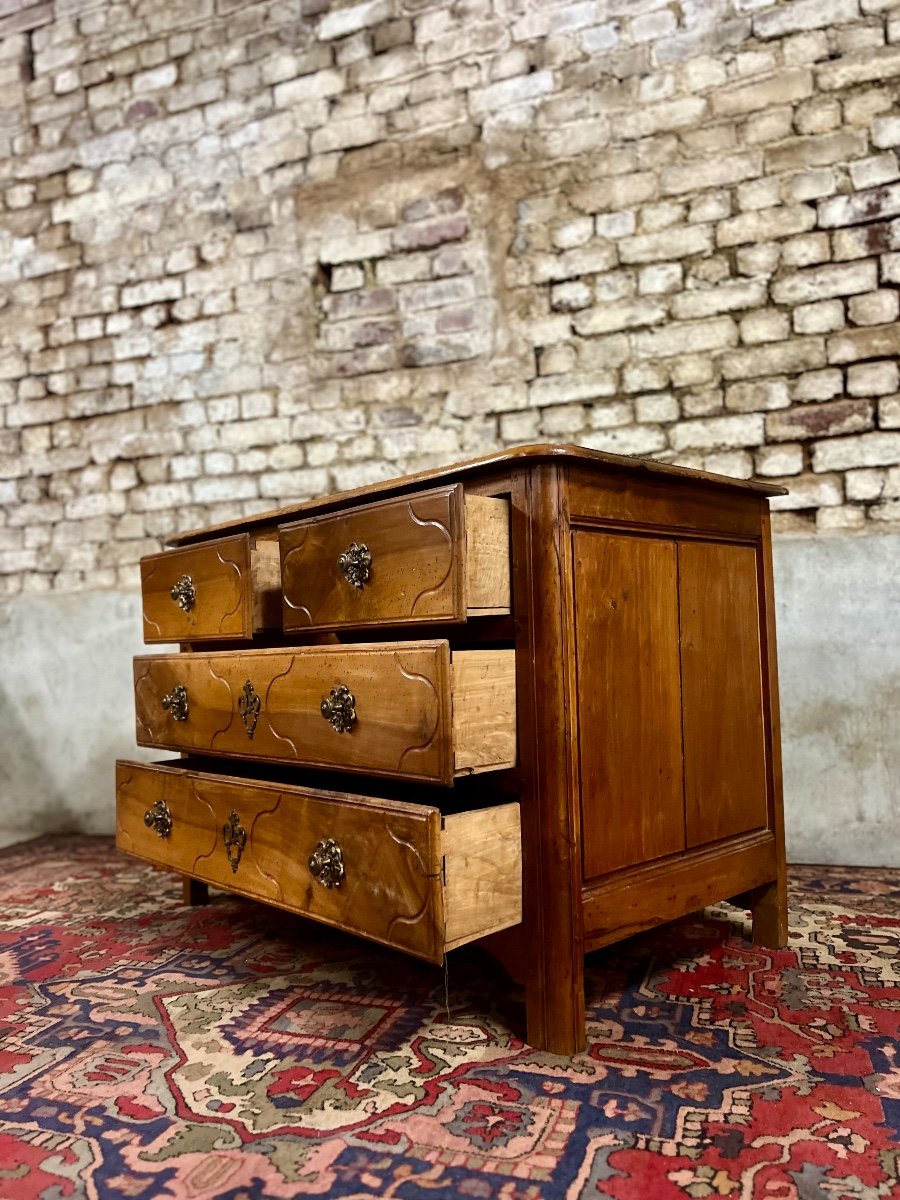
528 700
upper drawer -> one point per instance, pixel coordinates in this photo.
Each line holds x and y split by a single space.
441 555
217 591
396 872
403 709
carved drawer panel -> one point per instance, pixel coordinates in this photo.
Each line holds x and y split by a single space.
440 555
217 591
439 882
405 709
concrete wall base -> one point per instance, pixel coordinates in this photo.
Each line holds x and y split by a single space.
838 614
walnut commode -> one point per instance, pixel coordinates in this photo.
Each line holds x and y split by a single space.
528 700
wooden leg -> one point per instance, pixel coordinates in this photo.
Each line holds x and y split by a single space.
552 927
194 892
554 1011
554 1014
768 905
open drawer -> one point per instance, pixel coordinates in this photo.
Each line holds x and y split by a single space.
399 873
435 556
410 710
224 590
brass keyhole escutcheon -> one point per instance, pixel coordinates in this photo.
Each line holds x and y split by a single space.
183 593
326 863
159 817
355 564
235 838
339 707
176 703
248 707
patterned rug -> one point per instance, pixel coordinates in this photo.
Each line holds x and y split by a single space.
149 1050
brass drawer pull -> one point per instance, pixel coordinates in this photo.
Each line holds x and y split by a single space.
355 564
248 707
326 863
176 702
339 707
183 593
159 817
235 837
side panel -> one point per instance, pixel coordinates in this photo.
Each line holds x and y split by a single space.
629 696
724 739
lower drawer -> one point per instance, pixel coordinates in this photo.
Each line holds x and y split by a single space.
398 873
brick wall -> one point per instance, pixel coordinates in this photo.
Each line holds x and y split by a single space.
253 250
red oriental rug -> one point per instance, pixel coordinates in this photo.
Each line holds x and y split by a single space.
150 1050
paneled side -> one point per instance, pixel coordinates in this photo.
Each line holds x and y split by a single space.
724 740
626 593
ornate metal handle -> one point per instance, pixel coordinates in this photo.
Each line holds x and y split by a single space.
326 863
339 707
235 838
176 702
355 564
159 817
248 707
183 593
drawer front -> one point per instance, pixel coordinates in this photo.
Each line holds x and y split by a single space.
435 556
391 871
397 709
223 591
268 704
258 838
198 592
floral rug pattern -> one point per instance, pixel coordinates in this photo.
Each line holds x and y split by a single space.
233 1052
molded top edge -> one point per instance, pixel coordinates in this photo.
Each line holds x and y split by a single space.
531 454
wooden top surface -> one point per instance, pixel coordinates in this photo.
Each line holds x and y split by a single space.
517 456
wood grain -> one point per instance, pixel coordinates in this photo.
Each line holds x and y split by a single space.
651 895
403 706
400 905
484 709
487 556
596 710
416 572
404 904
235 580
649 502
482 873
550 938
265 586
724 737
629 699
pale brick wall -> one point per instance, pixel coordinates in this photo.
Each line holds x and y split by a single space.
254 250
